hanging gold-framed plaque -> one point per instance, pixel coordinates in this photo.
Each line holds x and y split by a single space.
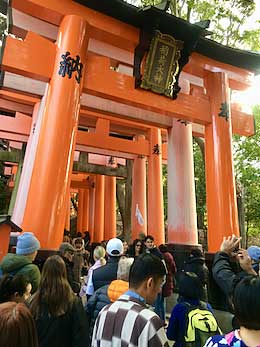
162 64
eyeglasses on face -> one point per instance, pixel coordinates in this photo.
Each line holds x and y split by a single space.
138 245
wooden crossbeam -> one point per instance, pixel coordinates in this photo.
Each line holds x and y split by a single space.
122 35
140 147
100 169
12 157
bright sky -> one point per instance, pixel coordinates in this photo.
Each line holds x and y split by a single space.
252 95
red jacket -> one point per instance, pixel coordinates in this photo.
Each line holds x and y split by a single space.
167 289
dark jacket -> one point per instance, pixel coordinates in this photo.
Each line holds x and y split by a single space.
68 330
19 264
105 274
167 289
198 266
95 304
75 285
102 297
226 272
154 251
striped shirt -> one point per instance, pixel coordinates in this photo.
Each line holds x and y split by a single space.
128 323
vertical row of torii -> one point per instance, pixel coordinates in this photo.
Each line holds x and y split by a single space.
67 82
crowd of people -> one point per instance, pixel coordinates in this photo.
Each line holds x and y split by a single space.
113 294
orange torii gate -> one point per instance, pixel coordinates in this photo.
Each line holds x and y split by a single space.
102 91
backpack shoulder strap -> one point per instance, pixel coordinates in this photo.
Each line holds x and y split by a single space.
13 273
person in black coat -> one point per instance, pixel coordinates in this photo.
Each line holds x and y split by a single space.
67 251
196 264
107 273
230 265
58 313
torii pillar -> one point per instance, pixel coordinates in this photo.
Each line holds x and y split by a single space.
24 184
85 217
47 198
110 208
92 193
139 196
80 209
155 188
67 218
99 209
182 218
220 180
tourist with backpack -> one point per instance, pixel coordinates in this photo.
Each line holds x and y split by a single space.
192 321
246 303
22 262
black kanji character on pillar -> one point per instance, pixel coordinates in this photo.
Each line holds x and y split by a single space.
111 160
156 149
69 65
224 111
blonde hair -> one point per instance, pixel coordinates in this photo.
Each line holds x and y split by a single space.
123 269
99 254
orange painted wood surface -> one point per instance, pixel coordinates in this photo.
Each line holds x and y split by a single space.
139 196
4 239
110 208
20 124
220 180
119 87
102 27
112 143
46 204
155 216
124 36
34 57
243 124
85 218
12 106
98 234
15 96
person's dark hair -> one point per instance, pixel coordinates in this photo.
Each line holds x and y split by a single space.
132 247
190 286
66 232
54 290
86 237
246 300
149 237
9 285
145 266
196 252
163 248
17 326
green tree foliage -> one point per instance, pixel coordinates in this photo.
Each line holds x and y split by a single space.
228 18
5 193
247 169
3 24
200 185
228 26
165 193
